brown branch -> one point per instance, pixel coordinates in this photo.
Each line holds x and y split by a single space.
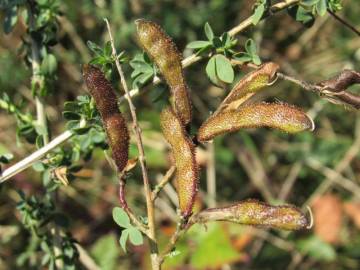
333 89
138 138
345 23
127 209
341 81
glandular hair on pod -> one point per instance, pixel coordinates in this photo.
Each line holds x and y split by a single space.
252 82
253 212
113 121
183 151
162 50
274 115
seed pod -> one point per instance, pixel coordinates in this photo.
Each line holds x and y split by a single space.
249 85
280 116
252 212
113 121
162 50
185 162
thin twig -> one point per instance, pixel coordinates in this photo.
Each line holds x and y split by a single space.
125 207
335 177
163 182
305 85
341 20
36 79
86 259
138 138
290 181
273 9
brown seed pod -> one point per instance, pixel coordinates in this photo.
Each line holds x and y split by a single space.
113 121
275 115
249 85
185 162
252 212
162 50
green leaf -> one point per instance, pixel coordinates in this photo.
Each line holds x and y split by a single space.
226 40
208 31
106 251
81 131
211 70
71 115
49 64
258 13
135 236
6 158
121 218
39 141
123 239
317 248
38 166
198 44
217 43
250 47
244 57
321 7
256 59
108 49
214 248
224 69
94 47
302 15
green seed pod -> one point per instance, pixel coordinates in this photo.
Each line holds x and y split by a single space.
279 116
113 121
252 212
184 156
250 84
162 50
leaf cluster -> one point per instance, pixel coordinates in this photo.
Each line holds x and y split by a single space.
129 232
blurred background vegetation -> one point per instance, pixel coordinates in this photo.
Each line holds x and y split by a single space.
320 169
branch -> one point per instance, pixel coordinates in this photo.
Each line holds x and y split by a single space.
345 23
36 79
333 89
34 157
138 138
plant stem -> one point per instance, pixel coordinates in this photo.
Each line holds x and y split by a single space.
273 9
138 137
341 20
36 79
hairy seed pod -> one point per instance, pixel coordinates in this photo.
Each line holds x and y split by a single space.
250 84
274 115
252 212
114 123
185 162
162 50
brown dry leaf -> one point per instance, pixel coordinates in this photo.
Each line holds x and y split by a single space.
352 209
328 216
